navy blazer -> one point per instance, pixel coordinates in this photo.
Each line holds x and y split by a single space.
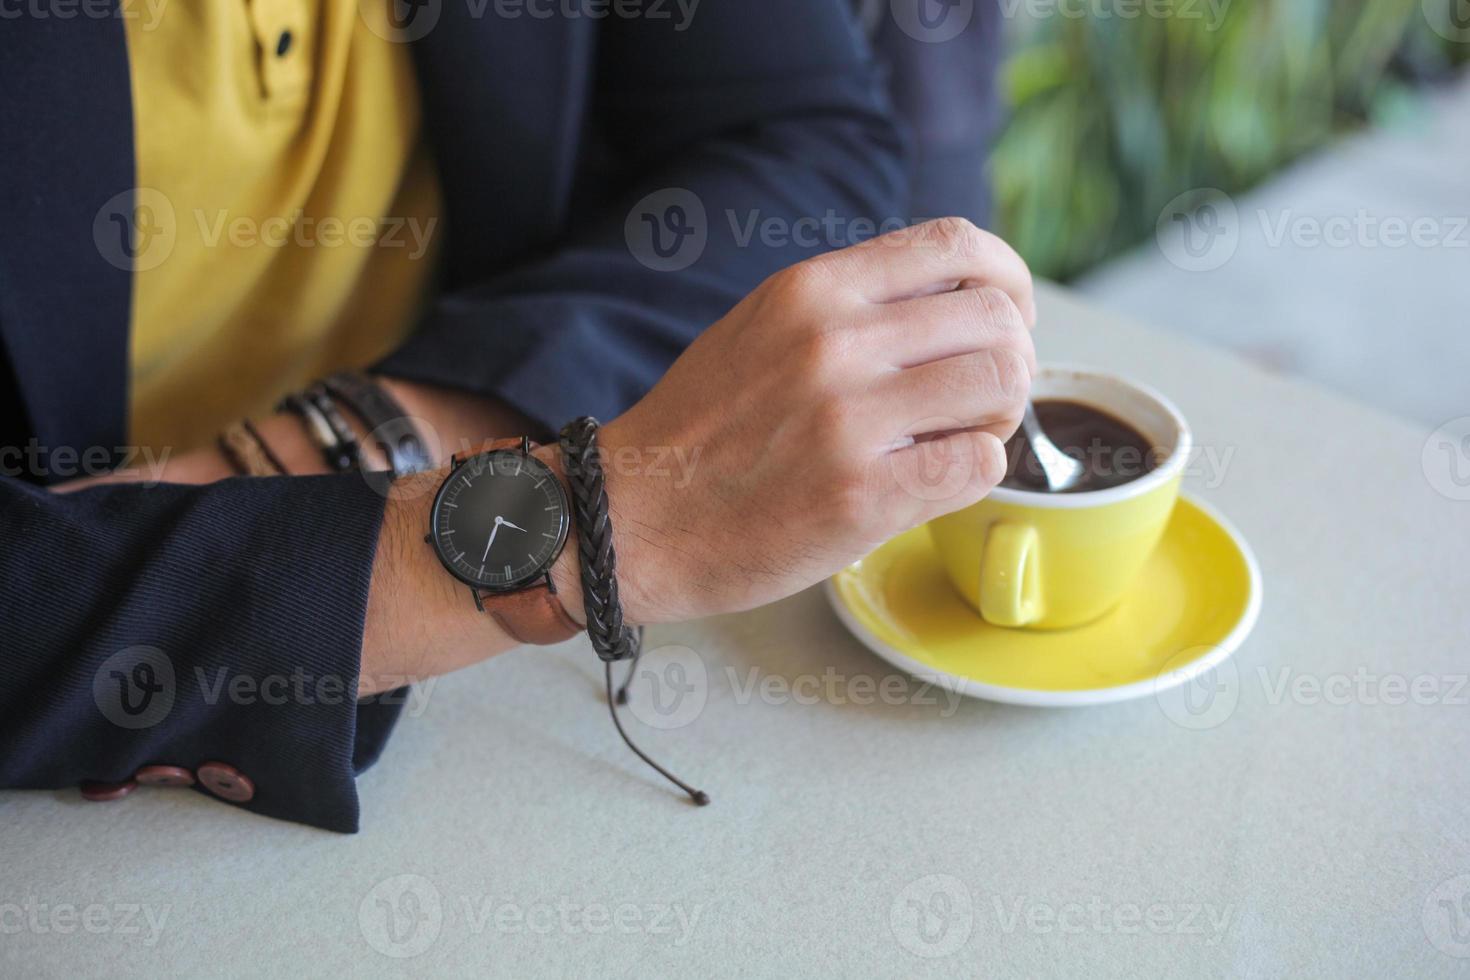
179 625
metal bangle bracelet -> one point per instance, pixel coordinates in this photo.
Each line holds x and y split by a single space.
338 457
348 449
385 419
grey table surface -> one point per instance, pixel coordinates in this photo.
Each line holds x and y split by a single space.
1308 820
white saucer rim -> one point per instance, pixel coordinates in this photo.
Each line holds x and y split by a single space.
1041 698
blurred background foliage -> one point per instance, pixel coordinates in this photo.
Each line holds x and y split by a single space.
1111 118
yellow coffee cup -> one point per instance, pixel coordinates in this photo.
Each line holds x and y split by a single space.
1054 560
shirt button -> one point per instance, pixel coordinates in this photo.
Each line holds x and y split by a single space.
283 44
164 776
103 792
226 782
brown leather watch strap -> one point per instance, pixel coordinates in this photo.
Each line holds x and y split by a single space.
533 615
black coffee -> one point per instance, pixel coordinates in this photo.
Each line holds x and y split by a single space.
1111 451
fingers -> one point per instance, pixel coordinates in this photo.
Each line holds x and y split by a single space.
930 328
934 257
944 474
982 390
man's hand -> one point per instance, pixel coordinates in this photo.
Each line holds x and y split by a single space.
849 398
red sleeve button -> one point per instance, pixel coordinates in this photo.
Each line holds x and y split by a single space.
104 792
226 782
164 776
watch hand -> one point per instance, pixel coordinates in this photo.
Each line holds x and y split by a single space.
493 531
512 526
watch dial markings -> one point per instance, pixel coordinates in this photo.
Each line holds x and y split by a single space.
495 514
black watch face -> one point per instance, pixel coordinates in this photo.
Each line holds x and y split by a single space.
499 520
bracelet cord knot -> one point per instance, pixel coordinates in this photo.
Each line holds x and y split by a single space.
611 637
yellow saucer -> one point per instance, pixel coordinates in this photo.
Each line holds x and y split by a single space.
1195 601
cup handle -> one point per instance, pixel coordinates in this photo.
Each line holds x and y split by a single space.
1009 584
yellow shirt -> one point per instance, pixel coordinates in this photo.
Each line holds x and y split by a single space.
289 203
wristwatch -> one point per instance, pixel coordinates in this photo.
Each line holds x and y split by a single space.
498 524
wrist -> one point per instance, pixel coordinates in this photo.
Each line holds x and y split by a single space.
640 562
566 571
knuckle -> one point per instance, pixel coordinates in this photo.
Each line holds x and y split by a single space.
820 351
957 236
804 284
997 307
1009 375
990 462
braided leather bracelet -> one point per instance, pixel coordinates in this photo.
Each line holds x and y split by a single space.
611 637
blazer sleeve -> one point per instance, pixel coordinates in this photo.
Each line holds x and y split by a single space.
755 138
171 625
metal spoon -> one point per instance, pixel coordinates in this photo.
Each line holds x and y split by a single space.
1062 472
